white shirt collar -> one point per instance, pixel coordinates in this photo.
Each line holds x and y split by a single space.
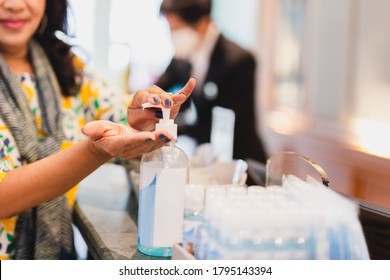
200 59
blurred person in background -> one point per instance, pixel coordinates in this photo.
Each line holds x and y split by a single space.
58 123
225 75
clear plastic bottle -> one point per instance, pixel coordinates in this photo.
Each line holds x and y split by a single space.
193 214
234 230
163 175
214 199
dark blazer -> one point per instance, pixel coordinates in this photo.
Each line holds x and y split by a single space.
232 70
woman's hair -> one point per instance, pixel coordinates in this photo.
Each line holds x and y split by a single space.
188 10
58 52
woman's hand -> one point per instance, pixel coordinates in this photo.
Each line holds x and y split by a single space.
146 119
115 140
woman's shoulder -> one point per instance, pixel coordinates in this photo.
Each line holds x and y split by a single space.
84 71
78 63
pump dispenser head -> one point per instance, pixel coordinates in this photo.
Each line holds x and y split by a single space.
165 123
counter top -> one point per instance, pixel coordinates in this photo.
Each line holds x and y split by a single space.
106 215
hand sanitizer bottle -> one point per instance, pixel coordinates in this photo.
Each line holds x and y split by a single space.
164 174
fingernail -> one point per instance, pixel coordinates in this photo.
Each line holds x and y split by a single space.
162 136
159 114
148 140
168 102
156 99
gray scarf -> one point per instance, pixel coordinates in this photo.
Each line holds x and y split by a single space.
45 231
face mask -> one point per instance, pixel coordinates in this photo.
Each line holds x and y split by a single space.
185 41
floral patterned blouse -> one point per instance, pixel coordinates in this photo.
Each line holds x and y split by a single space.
95 101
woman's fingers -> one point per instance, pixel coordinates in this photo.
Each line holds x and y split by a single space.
146 119
182 96
153 95
185 92
142 142
142 119
121 141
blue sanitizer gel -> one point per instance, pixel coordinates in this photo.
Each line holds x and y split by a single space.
163 176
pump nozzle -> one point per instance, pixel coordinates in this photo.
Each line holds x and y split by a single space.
165 123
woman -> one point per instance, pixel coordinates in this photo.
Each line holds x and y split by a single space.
47 98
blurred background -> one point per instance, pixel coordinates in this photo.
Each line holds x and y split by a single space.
323 80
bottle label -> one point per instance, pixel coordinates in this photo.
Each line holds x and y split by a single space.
161 205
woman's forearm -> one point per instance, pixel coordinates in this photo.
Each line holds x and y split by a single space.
34 183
